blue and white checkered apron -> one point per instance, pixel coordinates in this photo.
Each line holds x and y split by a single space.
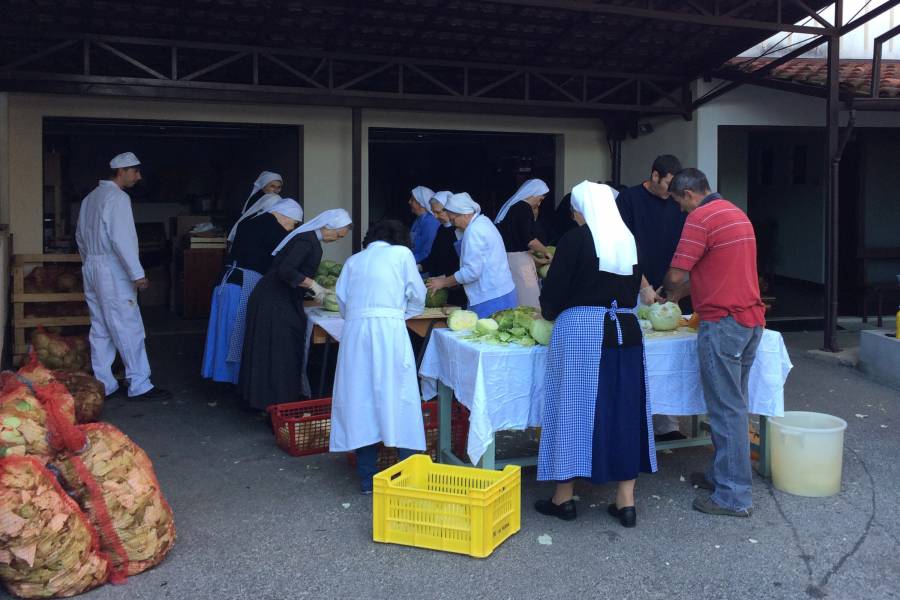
249 280
571 381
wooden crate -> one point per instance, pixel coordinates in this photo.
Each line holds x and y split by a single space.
20 298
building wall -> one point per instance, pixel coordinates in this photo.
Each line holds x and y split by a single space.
671 135
326 151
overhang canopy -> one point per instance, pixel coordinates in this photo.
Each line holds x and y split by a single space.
565 57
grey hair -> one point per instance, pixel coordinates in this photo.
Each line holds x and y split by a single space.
689 179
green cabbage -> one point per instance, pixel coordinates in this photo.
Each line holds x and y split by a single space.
486 326
330 303
460 320
436 299
643 312
665 317
543 270
541 331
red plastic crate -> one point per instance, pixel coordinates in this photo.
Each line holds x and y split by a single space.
459 434
302 428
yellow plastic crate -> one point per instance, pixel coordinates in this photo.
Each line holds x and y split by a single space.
441 507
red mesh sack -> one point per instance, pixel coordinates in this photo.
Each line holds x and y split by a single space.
60 408
34 372
58 352
88 392
114 482
23 423
48 548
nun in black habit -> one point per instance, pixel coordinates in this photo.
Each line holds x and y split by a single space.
275 340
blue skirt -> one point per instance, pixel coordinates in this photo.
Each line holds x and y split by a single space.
489 307
620 448
226 300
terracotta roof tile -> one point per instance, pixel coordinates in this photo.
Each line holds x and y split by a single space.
856 75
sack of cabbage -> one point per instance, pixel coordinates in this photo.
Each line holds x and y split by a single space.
521 325
58 352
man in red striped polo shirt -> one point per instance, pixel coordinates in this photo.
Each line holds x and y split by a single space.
715 263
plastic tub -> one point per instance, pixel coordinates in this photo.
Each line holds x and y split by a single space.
807 453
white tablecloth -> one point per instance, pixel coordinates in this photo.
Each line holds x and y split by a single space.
330 321
503 386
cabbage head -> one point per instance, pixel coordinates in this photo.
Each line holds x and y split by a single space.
486 326
541 330
461 320
665 317
330 303
436 299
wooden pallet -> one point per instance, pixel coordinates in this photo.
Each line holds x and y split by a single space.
20 298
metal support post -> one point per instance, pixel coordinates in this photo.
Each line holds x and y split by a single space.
832 204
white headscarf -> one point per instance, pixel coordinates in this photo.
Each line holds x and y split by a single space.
330 219
264 179
289 208
441 197
263 204
462 204
423 196
532 187
613 241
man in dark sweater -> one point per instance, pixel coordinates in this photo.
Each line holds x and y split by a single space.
656 220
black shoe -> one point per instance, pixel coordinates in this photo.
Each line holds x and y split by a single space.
153 393
627 516
699 480
564 511
706 505
672 436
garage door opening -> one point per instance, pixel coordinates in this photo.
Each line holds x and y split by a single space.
192 172
490 166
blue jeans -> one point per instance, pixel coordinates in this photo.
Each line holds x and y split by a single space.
366 459
726 351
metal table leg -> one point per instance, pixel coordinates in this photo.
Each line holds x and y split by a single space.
488 458
763 465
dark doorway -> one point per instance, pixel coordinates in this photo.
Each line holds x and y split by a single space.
188 167
851 268
488 165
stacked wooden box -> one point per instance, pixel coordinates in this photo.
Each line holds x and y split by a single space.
21 299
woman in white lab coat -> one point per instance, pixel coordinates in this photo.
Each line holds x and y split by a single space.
484 268
376 392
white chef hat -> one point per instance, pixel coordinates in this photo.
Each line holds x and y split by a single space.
124 160
462 204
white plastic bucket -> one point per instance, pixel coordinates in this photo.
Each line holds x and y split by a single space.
807 453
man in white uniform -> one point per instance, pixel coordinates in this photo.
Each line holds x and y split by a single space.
108 244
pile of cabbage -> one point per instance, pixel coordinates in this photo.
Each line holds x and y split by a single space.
327 274
513 326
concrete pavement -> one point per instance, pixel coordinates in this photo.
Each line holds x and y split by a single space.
256 523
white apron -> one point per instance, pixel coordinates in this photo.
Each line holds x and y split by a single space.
524 275
376 391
